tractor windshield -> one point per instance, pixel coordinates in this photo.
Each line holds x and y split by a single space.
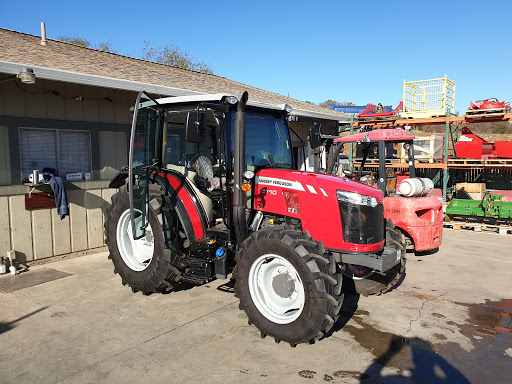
267 142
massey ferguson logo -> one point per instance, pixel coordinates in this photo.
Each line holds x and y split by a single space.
279 183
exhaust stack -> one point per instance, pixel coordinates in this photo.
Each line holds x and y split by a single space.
239 158
43 34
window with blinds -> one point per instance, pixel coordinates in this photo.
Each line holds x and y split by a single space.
69 152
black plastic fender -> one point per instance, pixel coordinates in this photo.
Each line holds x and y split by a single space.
119 179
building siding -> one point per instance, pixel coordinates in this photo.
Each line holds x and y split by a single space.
39 234
5 228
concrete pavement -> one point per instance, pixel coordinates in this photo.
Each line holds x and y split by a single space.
448 322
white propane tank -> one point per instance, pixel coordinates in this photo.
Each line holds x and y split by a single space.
416 186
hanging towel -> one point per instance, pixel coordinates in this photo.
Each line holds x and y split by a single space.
61 198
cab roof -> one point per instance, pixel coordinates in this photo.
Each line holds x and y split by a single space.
215 97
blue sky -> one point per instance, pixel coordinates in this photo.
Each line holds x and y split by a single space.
311 50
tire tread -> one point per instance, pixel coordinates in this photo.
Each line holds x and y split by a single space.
328 284
165 273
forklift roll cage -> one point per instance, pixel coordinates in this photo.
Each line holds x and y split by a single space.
379 138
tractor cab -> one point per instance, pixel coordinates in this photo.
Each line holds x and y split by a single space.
190 140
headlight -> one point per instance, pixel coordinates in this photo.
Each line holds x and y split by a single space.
356 198
232 100
248 175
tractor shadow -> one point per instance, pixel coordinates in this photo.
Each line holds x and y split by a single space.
417 356
228 287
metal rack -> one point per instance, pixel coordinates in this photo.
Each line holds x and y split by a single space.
449 120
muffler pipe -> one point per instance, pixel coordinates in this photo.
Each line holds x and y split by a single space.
239 216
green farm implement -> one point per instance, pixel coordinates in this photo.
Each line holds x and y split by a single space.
489 209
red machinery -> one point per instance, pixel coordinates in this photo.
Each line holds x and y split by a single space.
491 103
471 146
371 111
419 217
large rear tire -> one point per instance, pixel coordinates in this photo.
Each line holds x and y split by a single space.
146 264
365 281
288 287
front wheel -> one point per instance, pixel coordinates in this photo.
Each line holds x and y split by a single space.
287 286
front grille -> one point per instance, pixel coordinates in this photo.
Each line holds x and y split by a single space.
362 224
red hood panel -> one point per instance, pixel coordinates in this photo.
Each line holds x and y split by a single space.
319 182
311 197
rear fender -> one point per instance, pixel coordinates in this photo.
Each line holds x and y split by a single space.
177 202
119 179
177 196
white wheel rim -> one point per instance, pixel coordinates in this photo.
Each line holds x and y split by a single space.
136 254
276 289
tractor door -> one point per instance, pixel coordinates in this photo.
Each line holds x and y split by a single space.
145 157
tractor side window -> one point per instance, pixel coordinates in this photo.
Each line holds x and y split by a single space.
173 149
145 148
177 146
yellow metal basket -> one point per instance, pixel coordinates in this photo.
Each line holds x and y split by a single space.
428 98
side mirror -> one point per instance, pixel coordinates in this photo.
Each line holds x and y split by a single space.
195 127
314 136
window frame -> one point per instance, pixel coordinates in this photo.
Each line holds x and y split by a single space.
57 146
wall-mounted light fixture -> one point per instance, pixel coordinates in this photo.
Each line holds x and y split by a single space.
26 75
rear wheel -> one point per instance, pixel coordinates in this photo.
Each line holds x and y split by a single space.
145 264
366 281
287 285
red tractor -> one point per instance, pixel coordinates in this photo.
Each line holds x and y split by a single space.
211 186
418 216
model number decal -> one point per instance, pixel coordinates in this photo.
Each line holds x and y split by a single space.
267 191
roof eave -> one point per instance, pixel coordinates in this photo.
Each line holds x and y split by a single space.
320 115
94 80
128 85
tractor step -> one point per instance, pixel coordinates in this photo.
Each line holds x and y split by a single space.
196 277
195 262
201 270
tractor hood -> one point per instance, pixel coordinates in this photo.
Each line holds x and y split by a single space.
312 198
